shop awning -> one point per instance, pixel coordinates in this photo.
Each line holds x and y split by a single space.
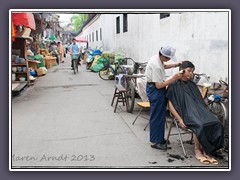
24 19
81 39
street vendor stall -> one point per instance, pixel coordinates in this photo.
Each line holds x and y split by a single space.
22 24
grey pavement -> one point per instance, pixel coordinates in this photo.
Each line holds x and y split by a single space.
66 120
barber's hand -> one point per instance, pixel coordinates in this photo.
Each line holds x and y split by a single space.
178 75
178 64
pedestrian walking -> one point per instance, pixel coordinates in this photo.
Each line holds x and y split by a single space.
66 48
61 52
54 51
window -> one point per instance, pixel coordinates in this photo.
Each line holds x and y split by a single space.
96 35
125 23
164 15
93 37
89 37
118 24
100 33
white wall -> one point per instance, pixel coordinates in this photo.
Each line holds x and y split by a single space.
200 37
92 27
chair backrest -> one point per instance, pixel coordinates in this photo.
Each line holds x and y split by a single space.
120 80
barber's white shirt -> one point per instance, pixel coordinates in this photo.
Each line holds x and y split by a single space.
155 71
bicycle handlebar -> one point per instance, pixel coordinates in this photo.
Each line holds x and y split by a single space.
202 74
223 82
126 58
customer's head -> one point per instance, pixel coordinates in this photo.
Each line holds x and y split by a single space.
166 53
188 69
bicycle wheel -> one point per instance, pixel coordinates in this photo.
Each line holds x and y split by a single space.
105 74
74 66
130 96
220 110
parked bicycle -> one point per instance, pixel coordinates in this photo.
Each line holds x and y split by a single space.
134 70
109 71
216 98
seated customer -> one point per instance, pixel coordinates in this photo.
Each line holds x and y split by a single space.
187 105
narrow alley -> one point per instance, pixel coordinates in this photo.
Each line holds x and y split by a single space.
65 120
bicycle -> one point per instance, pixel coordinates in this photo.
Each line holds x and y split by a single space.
134 70
109 71
75 61
214 100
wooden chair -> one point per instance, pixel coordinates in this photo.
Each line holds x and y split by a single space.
143 105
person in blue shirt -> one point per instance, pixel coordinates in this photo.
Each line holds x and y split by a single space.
74 49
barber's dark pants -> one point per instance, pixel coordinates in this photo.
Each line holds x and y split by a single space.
157 112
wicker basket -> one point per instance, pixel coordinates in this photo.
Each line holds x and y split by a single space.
50 61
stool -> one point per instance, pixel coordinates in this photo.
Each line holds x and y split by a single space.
120 94
142 105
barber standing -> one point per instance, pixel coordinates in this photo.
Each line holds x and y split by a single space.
156 90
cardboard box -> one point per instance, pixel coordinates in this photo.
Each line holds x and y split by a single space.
50 61
41 71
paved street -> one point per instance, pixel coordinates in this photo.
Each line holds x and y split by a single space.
66 120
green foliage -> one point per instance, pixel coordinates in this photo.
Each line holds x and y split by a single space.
78 20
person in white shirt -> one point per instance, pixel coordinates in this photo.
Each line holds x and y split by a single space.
156 92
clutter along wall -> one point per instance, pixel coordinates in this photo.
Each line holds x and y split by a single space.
200 37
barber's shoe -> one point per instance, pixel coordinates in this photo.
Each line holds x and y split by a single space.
160 146
165 141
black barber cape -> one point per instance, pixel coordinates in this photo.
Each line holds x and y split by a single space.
188 102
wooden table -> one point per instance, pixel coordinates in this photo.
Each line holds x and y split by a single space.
33 64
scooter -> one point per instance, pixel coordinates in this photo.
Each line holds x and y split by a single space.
89 60
91 56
